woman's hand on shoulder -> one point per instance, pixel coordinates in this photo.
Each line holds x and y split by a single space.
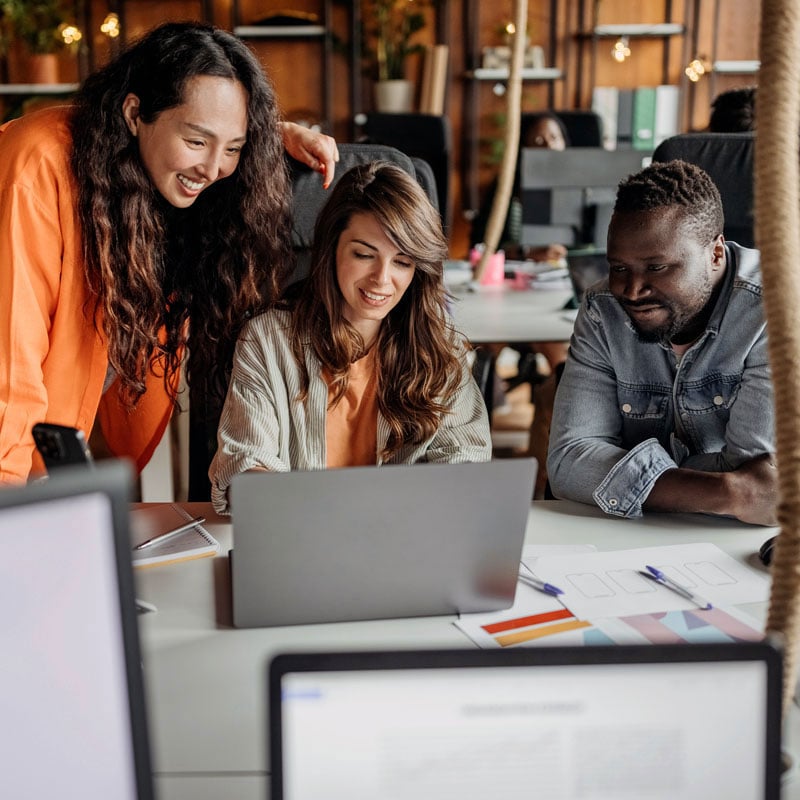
317 150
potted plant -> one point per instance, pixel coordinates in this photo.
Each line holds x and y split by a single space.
38 24
395 24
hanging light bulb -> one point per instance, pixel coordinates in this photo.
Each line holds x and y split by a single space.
110 26
695 69
70 34
620 51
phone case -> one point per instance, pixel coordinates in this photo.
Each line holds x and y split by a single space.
61 445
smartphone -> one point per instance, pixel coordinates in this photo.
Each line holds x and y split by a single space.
60 445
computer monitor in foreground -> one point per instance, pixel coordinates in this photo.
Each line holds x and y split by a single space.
596 723
72 720
568 195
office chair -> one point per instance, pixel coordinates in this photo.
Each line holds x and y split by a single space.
728 159
584 128
483 370
308 197
425 136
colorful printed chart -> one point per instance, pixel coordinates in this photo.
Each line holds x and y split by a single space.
672 627
557 625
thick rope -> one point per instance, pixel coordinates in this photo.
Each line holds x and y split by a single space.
777 206
508 166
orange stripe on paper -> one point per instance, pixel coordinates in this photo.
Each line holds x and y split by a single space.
524 622
526 636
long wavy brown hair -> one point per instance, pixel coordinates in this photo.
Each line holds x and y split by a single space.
417 349
153 268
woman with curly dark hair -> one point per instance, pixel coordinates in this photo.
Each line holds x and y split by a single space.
149 218
360 364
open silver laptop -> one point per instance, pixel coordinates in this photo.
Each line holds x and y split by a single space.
71 688
377 542
692 721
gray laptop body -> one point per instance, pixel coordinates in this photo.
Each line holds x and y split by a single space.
373 543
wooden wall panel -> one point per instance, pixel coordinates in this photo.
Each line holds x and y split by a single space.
726 29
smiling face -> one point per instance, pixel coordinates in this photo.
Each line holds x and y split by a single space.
187 148
662 274
372 274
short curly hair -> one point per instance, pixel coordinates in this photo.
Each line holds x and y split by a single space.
674 183
734 111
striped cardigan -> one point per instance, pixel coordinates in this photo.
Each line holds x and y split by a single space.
262 425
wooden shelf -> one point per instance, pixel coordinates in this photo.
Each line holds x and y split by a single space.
637 31
736 67
530 74
279 31
38 88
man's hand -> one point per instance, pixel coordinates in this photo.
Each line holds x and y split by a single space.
316 150
754 490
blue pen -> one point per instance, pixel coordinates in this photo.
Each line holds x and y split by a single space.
657 575
542 586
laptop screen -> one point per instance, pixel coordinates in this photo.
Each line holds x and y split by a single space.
69 645
586 267
645 722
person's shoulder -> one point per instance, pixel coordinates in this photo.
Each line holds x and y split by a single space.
269 321
47 126
598 301
746 264
36 141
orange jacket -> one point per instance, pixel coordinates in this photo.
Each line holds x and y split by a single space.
53 356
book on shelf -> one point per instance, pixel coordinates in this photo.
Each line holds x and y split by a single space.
625 119
604 103
151 520
667 113
644 118
639 118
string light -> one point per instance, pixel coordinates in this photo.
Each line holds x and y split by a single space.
696 68
110 26
620 51
70 34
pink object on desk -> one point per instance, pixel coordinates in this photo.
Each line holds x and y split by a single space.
494 274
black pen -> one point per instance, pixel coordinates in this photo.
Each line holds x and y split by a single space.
174 532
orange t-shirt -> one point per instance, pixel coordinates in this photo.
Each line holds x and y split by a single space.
351 432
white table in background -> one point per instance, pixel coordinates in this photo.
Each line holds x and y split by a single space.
206 681
503 314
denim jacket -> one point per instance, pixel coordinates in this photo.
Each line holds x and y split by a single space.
627 411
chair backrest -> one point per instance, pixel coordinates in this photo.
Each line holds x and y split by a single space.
425 136
584 128
308 197
728 159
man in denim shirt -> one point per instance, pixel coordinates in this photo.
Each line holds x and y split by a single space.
665 403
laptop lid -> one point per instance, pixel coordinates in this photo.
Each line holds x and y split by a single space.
586 267
71 693
596 723
373 543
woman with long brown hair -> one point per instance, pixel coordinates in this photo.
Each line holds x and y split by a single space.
360 364
149 216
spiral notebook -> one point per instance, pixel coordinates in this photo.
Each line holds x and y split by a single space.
151 520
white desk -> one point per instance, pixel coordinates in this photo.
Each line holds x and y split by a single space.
206 682
503 314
